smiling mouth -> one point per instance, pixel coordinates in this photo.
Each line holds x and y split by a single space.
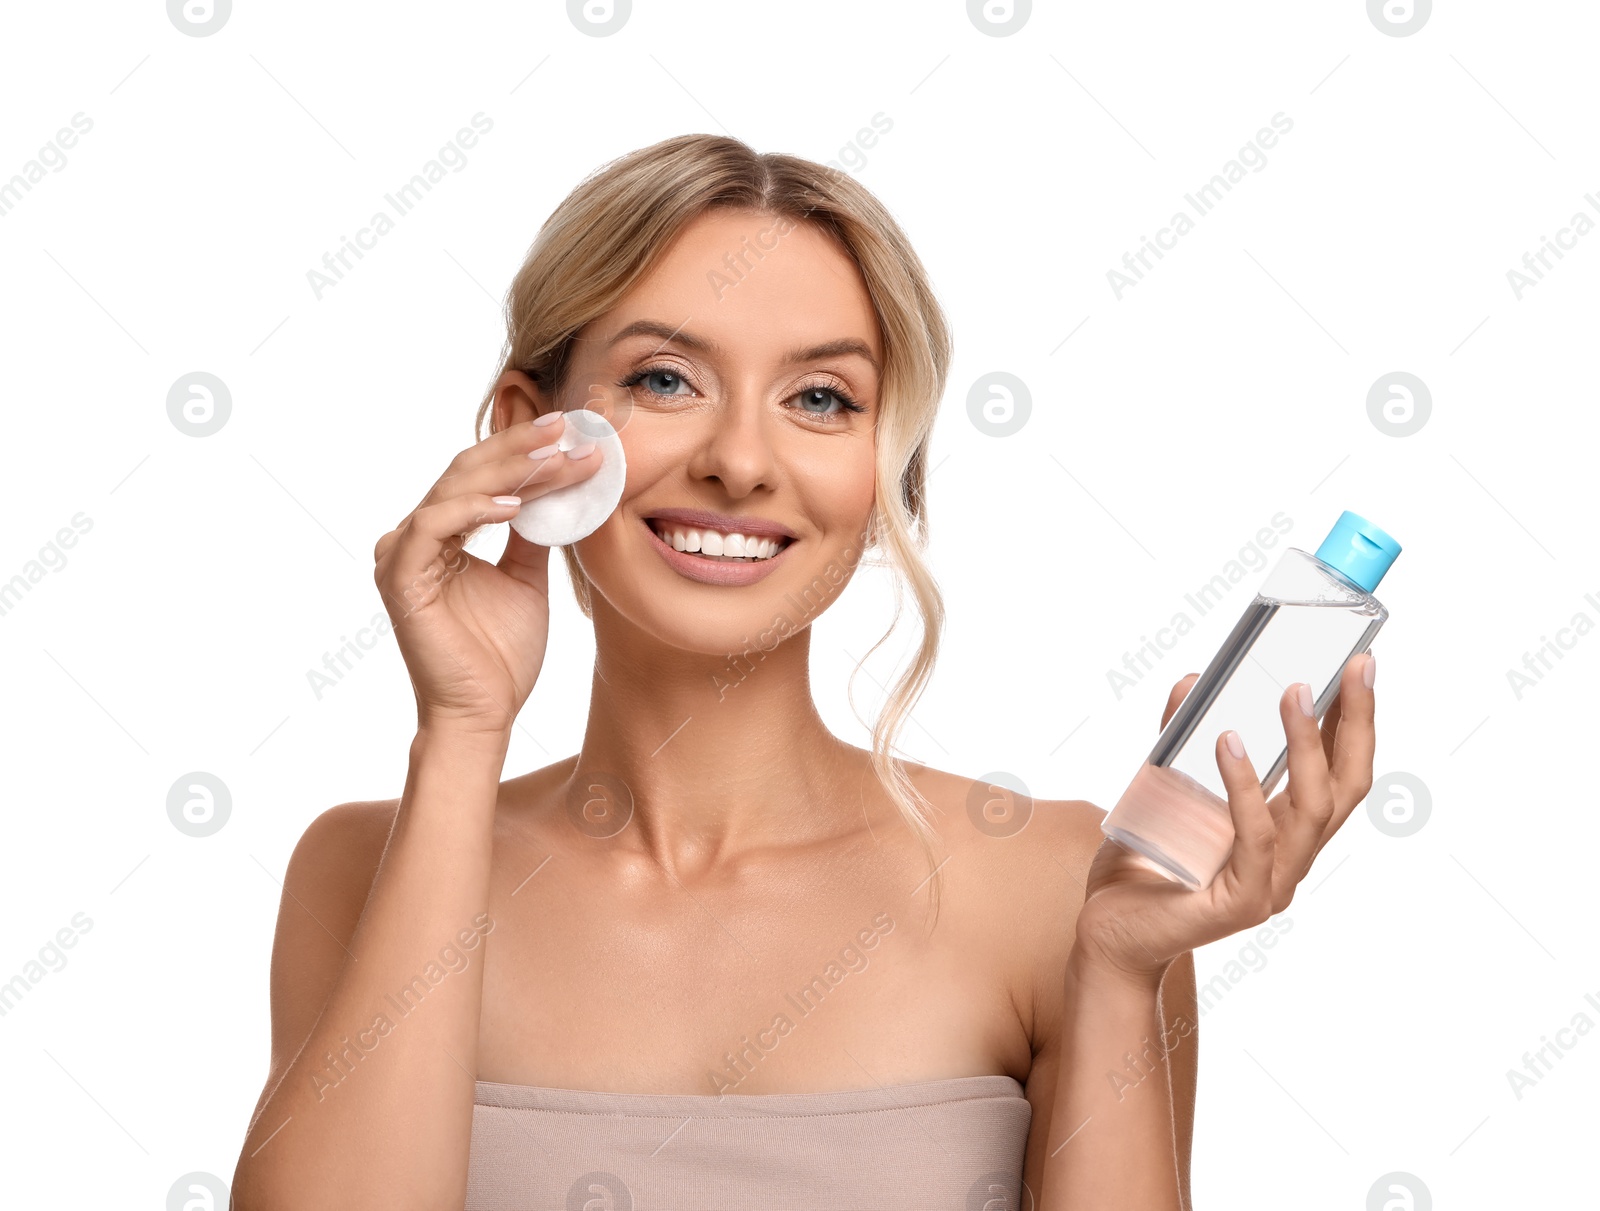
717 546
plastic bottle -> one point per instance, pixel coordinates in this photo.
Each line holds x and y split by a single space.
1312 615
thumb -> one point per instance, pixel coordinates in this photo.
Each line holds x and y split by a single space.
527 562
1175 699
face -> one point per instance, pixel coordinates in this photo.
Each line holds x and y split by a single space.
743 376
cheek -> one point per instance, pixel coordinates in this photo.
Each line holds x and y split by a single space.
642 474
659 445
843 487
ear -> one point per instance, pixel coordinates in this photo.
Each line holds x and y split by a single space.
517 398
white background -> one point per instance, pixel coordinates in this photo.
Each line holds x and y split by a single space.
1167 427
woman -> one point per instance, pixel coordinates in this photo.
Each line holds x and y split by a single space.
735 961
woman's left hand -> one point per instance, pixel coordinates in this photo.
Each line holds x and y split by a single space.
1134 922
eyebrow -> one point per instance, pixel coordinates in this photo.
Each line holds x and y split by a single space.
842 347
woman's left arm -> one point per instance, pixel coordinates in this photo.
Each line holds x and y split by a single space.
1181 1013
1117 1135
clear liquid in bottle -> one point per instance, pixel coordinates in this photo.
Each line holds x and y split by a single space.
1312 615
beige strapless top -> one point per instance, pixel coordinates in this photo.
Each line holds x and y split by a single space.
947 1145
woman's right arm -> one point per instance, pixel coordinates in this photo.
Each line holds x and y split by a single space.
377 967
375 1012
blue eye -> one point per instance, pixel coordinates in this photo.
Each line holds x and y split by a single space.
818 398
814 401
825 403
660 382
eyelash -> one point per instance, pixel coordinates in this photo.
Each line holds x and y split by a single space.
847 404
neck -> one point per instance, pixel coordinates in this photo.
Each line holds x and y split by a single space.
711 754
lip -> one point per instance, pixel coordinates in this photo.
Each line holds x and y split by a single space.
699 519
708 571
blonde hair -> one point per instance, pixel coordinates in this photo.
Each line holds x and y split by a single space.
608 233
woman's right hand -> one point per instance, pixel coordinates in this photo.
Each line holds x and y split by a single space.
472 633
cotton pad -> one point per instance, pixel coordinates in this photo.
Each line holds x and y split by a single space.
578 510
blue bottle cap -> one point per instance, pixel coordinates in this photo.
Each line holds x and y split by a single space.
1358 549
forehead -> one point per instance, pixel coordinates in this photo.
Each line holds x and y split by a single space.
751 282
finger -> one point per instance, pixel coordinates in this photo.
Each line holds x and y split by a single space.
1244 885
493 472
1179 693
530 478
522 474
560 470
414 547
481 508
1310 791
1353 749
1330 727
513 439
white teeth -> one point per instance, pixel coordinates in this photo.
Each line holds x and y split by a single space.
714 542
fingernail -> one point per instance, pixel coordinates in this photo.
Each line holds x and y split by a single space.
508 501
582 450
549 418
1370 673
1303 693
539 452
1235 745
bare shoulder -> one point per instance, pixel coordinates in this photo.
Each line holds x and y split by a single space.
338 854
345 834
1023 867
331 869
1019 867
325 890
1003 834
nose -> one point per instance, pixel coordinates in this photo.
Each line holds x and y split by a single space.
736 446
